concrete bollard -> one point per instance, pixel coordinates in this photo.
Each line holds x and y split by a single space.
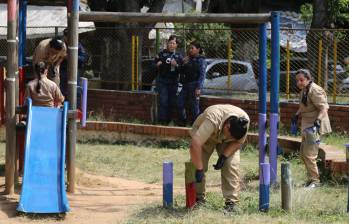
286 187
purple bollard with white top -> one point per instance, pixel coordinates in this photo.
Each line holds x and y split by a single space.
167 188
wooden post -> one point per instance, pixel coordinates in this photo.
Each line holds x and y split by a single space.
12 70
73 24
190 188
286 187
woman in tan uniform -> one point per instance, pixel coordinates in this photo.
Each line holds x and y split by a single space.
221 127
43 91
313 109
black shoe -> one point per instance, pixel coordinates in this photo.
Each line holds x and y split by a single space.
230 207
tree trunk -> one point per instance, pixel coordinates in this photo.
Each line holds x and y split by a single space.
320 20
115 47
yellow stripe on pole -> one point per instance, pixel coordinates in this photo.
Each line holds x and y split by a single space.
229 83
133 62
288 70
137 61
334 70
319 79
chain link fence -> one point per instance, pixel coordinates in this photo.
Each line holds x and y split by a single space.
122 58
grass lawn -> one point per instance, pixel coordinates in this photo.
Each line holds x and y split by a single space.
326 204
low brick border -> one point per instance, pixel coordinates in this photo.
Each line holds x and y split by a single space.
334 159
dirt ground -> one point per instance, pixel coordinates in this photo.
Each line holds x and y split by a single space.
97 200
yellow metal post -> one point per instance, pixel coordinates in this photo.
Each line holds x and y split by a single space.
229 83
334 70
319 79
288 70
133 62
137 61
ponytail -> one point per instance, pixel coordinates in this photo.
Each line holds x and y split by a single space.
40 70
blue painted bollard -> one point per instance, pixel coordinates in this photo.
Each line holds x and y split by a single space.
264 184
167 188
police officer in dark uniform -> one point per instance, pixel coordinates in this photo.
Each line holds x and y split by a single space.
192 76
167 63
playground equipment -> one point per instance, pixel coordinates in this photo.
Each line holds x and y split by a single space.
167 187
13 95
261 19
43 188
120 17
347 155
264 185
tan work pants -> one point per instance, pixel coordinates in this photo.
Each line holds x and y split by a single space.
230 173
309 153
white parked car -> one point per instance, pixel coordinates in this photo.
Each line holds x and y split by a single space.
216 81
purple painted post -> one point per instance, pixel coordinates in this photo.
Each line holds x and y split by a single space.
167 187
347 154
84 85
264 185
262 136
273 146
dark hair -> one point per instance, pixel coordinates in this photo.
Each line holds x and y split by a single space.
238 126
65 32
306 75
56 44
173 37
197 45
40 69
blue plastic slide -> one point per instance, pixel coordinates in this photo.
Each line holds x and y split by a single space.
43 187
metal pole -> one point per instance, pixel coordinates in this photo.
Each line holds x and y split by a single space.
286 187
12 69
274 94
157 41
347 153
319 64
229 84
334 70
84 85
135 17
73 23
167 186
133 42
264 186
288 70
262 106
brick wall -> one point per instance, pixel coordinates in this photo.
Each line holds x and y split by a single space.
118 105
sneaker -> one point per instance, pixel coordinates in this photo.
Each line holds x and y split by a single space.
312 184
230 207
